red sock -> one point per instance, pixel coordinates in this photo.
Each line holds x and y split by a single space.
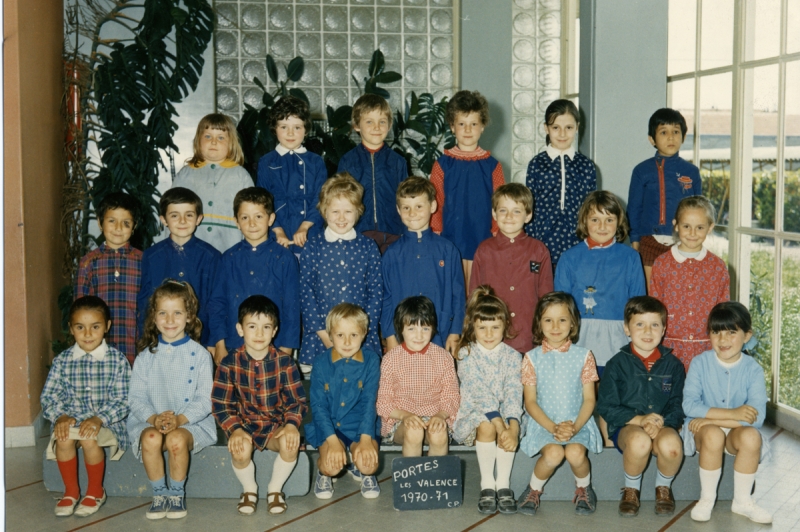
69 474
95 474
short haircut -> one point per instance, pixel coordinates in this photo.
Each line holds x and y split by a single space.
547 301
257 195
603 202
666 117
368 103
693 202
729 316
90 303
346 311
645 305
286 107
516 192
341 185
223 123
177 195
258 305
467 102
117 200
415 310
415 186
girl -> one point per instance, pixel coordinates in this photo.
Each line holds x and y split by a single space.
725 401
215 174
558 387
690 280
491 397
559 178
170 395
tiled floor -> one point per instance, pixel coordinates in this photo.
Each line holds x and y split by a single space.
29 507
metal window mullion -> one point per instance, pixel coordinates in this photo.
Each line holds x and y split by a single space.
740 266
698 35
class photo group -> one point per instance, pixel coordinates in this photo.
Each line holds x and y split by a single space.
409 311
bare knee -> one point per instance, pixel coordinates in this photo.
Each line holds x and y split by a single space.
151 440
553 455
176 443
413 436
486 432
575 453
749 439
438 439
712 438
638 444
670 447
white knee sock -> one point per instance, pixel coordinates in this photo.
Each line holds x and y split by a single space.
708 483
247 477
505 460
742 486
486 451
280 474
582 482
537 483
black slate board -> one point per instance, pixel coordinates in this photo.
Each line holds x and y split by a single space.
427 483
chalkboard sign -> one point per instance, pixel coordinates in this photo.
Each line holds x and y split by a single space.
427 483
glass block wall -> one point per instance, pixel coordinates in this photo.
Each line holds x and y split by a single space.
336 39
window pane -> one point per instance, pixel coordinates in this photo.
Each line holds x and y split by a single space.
789 383
793 22
717 241
715 137
763 137
761 254
682 36
680 96
716 47
791 204
766 29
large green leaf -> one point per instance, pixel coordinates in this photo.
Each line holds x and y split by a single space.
294 71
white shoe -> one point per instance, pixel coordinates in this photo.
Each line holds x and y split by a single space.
66 511
85 511
752 511
702 510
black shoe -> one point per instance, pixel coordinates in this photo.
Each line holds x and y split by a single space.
506 502
529 501
487 504
585 500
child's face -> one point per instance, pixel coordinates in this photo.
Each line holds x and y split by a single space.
290 132
347 337
171 318
373 128
415 212
341 215
254 222
556 324
646 331
258 331
181 220
214 145
416 336
601 226
117 227
467 129
510 216
88 326
489 333
693 228
562 131
728 344
668 139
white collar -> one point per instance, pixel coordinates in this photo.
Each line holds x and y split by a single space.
99 352
554 153
332 236
680 257
495 349
283 150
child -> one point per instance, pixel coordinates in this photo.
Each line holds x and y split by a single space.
725 401
343 399
465 177
259 402
516 266
491 397
86 400
559 178
690 280
640 398
215 174
292 174
256 265
558 379
170 395
113 271
378 168
422 262
181 256
418 385
339 265
657 185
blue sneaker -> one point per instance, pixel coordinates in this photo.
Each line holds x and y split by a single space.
369 486
323 487
177 507
158 508
354 472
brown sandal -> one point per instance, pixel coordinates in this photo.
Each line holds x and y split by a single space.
247 503
276 502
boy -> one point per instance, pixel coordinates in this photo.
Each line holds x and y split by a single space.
259 401
515 265
378 168
658 185
640 398
256 265
422 262
182 256
343 396
113 271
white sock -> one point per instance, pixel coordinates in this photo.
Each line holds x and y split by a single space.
583 482
537 483
247 476
281 471
708 483
505 460
486 451
742 486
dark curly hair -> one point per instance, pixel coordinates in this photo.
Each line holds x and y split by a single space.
286 107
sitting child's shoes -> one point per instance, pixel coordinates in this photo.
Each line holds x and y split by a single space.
629 504
323 487
276 502
702 510
665 502
90 505
506 503
158 508
354 472
177 507
369 486
529 501
487 504
752 511
585 500
66 506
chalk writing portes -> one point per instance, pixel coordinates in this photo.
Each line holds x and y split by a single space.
427 482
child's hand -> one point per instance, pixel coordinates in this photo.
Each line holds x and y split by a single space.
653 418
62 427
413 421
301 236
90 428
163 421
336 458
436 424
237 440
220 352
365 452
290 435
651 429
281 237
451 344
564 431
509 439
698 423
745 413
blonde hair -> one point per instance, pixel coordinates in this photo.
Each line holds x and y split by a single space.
341 185
223 123
484 305
693 202
170 289
347 311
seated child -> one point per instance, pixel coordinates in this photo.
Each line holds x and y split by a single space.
640 398
85 397
343 401
725 400
418 385
170 396
259 401
515 265
182 256
378 168
422 262
113 271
